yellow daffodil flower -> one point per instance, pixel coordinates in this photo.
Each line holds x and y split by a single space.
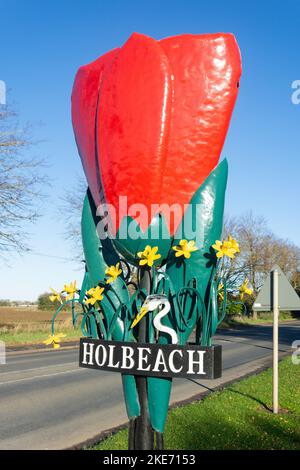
113 272
54 340
221 291
185 248
139 316
70 290
55 296
148 256
234 243
226 248
95 295
245 290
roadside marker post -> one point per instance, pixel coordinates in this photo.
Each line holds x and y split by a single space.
275 305
2 353
276 294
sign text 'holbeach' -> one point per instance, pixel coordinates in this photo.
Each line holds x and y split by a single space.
149 359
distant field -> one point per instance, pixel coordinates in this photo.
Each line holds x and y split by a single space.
15 315
26 325
31 326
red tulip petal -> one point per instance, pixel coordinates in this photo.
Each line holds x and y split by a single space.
206 72
84 107
133 121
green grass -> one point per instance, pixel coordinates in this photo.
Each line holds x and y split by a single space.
262 318
37 336
238 417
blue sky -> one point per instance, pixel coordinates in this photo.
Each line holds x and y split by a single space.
44 43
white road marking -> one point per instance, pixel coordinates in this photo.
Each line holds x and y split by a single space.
36 356
20 371
41 376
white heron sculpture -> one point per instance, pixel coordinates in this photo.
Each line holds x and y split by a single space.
153 302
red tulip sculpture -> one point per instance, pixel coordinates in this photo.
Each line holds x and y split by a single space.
150 119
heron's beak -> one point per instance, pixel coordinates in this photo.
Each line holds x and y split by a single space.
139 316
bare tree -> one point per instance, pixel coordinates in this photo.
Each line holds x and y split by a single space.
254 238
72 203
295 281
233 270
260 251
20 182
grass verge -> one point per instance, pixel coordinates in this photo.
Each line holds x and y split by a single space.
262 318
37 336
237 417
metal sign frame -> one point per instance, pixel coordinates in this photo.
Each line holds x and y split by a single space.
152 359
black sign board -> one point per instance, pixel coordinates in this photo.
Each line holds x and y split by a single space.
154 360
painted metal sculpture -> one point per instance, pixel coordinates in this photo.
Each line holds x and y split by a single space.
150 119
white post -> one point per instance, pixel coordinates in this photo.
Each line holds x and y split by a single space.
275 340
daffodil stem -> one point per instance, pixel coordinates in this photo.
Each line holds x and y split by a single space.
143 438
58 310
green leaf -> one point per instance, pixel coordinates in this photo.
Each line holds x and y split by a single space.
99 255
131 239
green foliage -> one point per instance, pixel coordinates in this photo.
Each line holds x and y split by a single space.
5 302
238 417
234 308
44 303
237 306
268 316
262 318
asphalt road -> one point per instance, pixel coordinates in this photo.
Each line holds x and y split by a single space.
48 402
